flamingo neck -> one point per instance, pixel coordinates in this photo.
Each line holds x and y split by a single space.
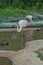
19 28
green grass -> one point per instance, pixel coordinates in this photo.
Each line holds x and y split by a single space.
39 55
14 12
17 12
5 61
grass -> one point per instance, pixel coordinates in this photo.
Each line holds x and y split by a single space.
4 13
5 61
14 12
39 55
9 14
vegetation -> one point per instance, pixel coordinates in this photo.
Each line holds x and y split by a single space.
37 4
14 12
39 55
5 61
19 8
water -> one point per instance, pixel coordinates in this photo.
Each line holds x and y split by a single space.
31 34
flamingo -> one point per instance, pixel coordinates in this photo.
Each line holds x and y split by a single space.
24 23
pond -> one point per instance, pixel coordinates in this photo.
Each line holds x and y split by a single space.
5 61
17 40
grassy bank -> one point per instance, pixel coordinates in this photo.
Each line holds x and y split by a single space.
17 12
14 12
